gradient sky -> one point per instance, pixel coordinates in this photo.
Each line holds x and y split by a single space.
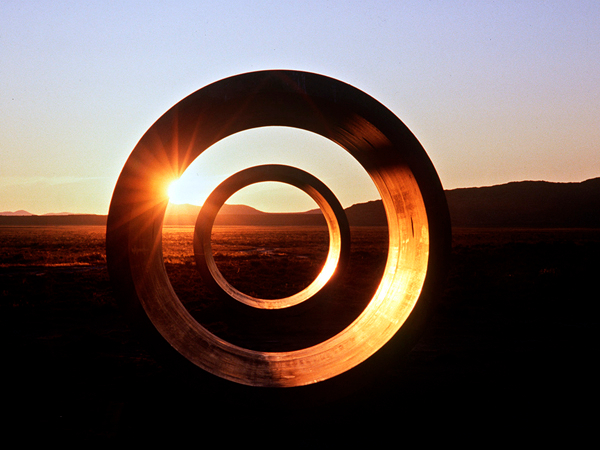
495 91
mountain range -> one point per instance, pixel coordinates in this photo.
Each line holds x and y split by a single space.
526 204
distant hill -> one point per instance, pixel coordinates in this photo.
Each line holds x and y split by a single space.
524 204
361 214
529 204
242 215
367 214
20 212
193 210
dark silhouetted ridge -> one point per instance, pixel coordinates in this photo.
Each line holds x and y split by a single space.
528 204
367 214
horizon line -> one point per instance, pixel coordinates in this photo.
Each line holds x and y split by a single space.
12 213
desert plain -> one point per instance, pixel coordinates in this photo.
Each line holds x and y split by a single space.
509 349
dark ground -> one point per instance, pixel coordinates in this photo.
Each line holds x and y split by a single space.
509 355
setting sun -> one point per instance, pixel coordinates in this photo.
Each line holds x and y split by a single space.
190 188
174 191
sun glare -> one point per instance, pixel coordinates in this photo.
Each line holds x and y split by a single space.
177 192
192 188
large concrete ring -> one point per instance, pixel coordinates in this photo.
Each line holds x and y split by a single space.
412 195
335 217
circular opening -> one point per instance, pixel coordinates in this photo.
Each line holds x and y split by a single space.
269 255
335 218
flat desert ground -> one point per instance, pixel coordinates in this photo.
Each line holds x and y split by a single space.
510 349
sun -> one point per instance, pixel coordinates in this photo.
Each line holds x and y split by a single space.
191 188
177 192
172 191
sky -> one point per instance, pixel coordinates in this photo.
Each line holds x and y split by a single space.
495 91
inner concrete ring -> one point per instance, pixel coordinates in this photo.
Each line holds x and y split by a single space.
412 195
333 212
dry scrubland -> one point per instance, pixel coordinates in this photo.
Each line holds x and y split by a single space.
515 330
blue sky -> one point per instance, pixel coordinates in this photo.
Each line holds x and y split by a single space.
495 91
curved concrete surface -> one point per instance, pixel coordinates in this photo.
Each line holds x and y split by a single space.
414 201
